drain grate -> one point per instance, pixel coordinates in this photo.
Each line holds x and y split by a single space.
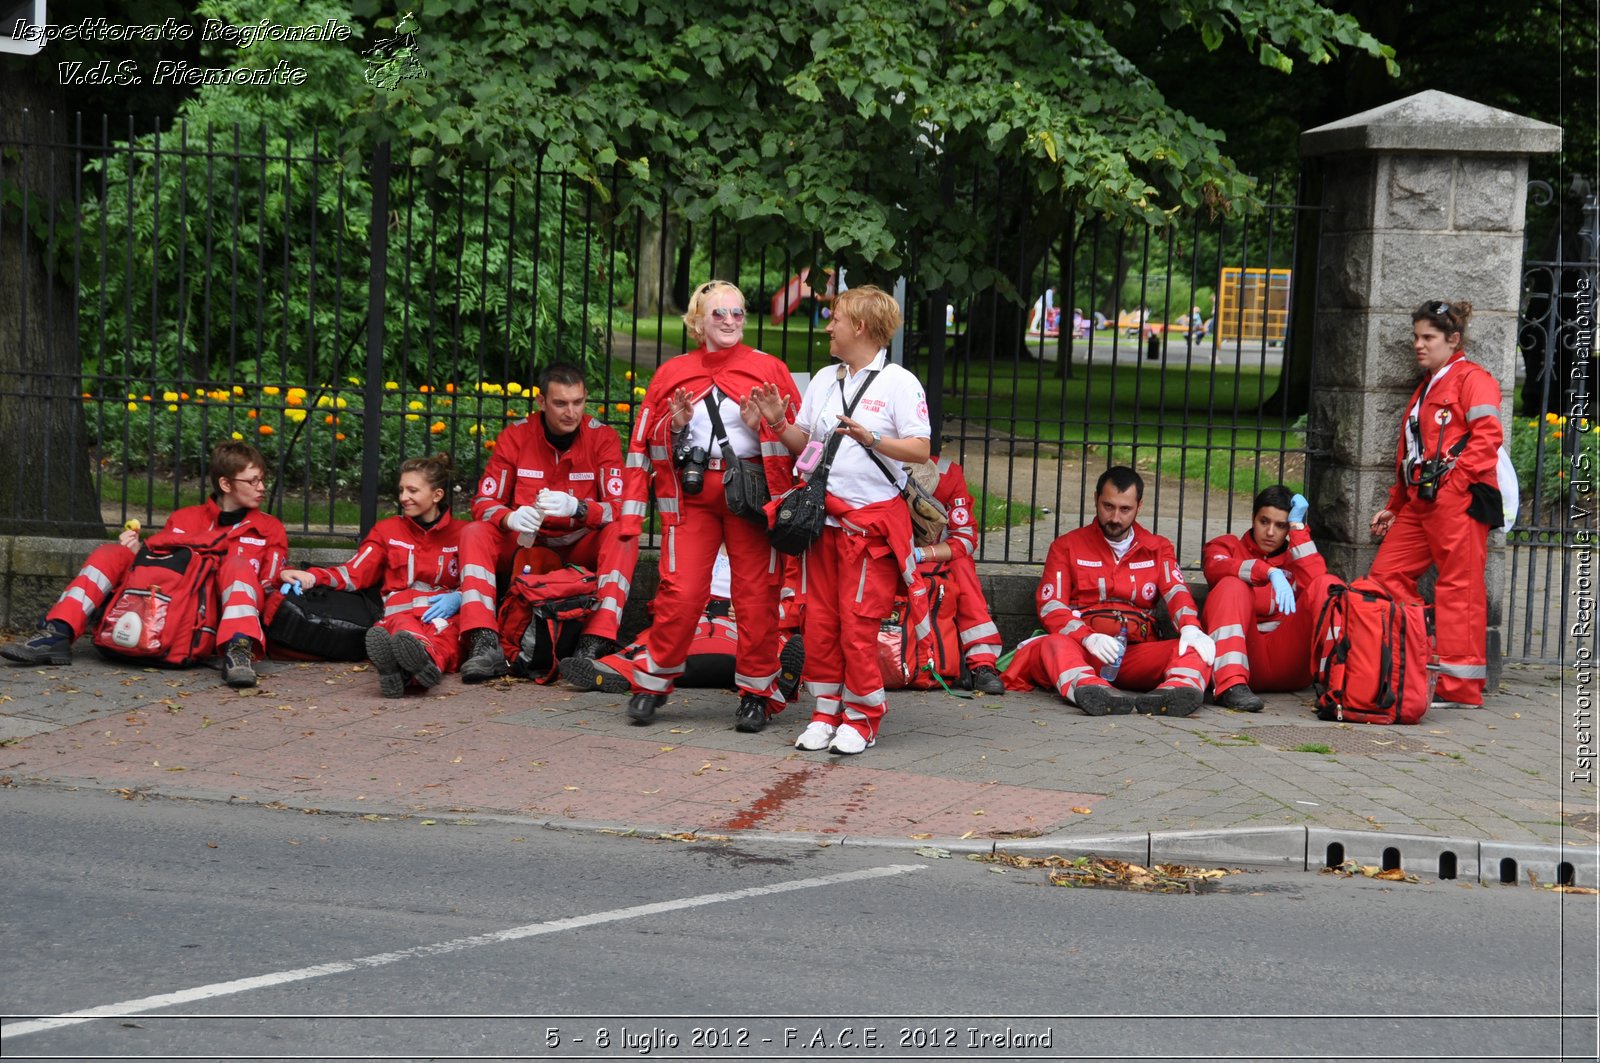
1356 740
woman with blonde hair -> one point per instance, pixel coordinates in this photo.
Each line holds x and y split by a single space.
696 403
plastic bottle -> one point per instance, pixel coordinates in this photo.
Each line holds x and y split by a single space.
1109 672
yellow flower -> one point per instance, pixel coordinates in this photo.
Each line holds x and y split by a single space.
513 388
271 389
237 390
172 407
628 376
413 416
534 391
133 406
638 393
390 385
294 415
238 435
414 405
353 380
133 394
474 430
323 402
1551 418
341 403
169 396
437 428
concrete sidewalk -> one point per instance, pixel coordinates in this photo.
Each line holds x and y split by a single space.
946 771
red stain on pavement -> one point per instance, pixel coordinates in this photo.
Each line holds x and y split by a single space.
773 799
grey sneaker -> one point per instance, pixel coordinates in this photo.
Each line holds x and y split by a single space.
52 645
239 663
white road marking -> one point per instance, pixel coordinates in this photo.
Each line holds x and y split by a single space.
516 933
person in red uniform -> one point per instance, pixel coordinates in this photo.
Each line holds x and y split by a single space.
1267 588
556 481
952 554
1098 581
256 547
415 558
1446 497
864 556
673 450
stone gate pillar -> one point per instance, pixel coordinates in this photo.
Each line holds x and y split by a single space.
1423 198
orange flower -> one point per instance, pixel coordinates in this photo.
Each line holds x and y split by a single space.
489 443
339 436
250 414
437 428
425 389
328 419
265 429
450 388
622 407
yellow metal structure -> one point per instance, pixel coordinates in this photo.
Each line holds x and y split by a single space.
1253 304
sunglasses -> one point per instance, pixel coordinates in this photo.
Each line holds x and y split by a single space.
723 313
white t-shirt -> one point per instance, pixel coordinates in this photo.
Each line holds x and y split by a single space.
895 407
745 444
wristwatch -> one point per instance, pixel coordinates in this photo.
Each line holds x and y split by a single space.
872 444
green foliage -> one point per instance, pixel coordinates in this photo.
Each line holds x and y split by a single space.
1540 457
858 122
250 242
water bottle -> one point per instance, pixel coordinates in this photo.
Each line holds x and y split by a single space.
1109 672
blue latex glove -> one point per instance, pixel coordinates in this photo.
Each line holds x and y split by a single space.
916 554
1282 592
443 607
1298 505
290 588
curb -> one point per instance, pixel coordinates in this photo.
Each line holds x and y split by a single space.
1299 848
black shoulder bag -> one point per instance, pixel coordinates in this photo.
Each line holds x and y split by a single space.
803 510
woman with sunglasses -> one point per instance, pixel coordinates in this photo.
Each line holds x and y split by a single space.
676 448
1445 497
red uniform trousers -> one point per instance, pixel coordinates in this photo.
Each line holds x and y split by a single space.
852 582
1440 533
688 552
486 553
443 644
103 573
1257 646
1059 663
975 627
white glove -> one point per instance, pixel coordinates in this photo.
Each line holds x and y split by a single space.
525 519
1101 646
557 503
1198 641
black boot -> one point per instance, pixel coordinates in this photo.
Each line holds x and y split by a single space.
642 707
752 715
485 659
591 646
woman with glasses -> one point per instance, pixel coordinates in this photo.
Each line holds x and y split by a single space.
695 403
1446 496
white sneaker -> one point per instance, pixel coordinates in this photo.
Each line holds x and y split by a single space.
848 740
816 736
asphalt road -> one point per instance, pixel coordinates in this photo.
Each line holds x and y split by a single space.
400 939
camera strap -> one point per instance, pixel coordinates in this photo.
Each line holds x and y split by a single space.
719 435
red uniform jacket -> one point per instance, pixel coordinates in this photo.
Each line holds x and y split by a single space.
409 564
1464 404
1238 555
961 534
734 372
524 463
257 538
1082 573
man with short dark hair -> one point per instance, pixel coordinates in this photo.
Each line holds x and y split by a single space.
1097 599
555 481
1267 587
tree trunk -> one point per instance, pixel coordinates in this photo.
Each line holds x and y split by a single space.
653 267
45 482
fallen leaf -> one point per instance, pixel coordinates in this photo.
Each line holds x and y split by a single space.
428 823
702 769
569 787
680 731
967 835
1080 810
921 837
932 851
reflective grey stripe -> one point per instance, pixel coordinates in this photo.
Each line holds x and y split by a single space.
758 683
98 578
478 572
659 453
943 465
401 607
774 450
612 606
1305 549
485 600
1102 582
1475 412
924 628
613 578
672 549
1265 626
1196 678
1228 631
652 684
1463 671
1240 659
853 713
861 584
667 505
1053 606
978 631
240 586
1067 682
607 514
1173 593
344 576
825 690
871 699
492 514
636 460
1072 626
239 612
76 594
421 585
1247 569
1186 611
633 509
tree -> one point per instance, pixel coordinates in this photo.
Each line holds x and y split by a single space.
925 138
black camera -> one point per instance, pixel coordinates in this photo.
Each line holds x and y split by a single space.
691 462
1427 475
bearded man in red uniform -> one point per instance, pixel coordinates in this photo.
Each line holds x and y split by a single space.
1100 585
1267 588
554 481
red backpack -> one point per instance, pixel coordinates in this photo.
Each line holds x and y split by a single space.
541 618
905 663
1371 655
165 611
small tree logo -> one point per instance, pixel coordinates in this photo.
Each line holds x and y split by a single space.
394 59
